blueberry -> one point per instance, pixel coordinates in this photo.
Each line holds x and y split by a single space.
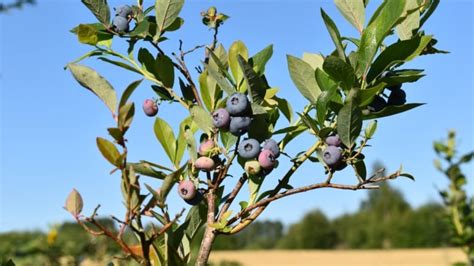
150 107
377 104
397 97
266 159
207 148
120 24
123 11
239 125
332 156
334 141
237 104
249 149
205 164
272 145
186 189
221 118
252 167
196 199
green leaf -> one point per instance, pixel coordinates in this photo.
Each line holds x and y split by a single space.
366 96
408 176
228 140
74 203
292 135
206 95
257 89
432 7
329 88
303 77
412 21
314 60
370 129
259 60
144 168
353 11
165 70
236 49
176 25
309 122
380 25
217 63
87 34
349 122
109 151
164 134
202 118
255 182
169 182
100 9
186 139
399 52
335 35
120 64
361 170
195 219
285 107
167 12
392 110
340 71
153 192
128 92
221 80
125 118
91 80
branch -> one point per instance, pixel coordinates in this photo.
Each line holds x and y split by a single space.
262 204
232 195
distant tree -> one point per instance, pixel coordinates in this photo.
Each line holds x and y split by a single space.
314 231
15 4
259 235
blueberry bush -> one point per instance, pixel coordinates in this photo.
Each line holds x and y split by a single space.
459 206
232 118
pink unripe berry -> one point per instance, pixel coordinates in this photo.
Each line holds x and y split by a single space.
206 148
150 107
186 189
205 164
266 159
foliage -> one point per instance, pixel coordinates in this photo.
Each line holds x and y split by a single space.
339 88
460 207
17 4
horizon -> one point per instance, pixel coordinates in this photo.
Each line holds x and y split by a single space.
49 123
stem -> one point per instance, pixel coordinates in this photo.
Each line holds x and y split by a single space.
209 235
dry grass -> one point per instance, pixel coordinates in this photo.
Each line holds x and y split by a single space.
405 257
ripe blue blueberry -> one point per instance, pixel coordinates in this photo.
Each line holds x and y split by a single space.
123 11
334 141
150 107
221 118
249 149
272 145
239 125
397 97
120 24
266 159
186 189
332 156
377 104
237 104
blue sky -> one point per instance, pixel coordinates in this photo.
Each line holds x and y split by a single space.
49 123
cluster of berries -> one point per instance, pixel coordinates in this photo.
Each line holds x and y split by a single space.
397 97
121 19
260 160
236 117
332 155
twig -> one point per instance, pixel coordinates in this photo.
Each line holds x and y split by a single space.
233 195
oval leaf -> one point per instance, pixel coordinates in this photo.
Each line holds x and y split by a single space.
74 203
164 134
303 75
109 151
91 80
353 11
349 123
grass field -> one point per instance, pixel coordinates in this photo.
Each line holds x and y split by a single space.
403 257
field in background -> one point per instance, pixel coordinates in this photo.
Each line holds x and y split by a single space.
403 257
